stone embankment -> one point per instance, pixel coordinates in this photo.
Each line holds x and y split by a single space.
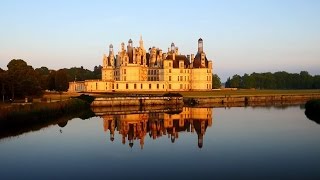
251 99
136 101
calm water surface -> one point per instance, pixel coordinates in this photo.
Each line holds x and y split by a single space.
244 142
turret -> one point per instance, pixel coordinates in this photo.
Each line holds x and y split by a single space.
110 48
192 58
200 45
122 46
130 43
111 55
141 43
130 51
173 48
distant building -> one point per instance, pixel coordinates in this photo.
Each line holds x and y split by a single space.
135 69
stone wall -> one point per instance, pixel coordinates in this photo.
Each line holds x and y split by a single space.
136 101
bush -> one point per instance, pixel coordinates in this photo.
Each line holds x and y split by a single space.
86 98
313 110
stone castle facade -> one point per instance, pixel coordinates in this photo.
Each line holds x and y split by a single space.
136 69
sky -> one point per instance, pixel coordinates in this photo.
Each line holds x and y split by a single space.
240 36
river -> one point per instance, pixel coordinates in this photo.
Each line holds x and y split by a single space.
192 143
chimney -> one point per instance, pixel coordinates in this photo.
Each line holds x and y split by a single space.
192 58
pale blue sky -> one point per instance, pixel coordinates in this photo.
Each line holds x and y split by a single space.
239 36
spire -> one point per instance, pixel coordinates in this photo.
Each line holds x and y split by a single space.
141 42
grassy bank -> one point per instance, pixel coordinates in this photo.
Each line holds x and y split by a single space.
30 113
16 119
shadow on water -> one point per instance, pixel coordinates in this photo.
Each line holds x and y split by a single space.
11 130
312 111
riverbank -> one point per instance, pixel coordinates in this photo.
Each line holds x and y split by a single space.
215 93
251 99
28 113
214 97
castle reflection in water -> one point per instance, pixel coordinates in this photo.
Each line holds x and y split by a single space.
134 128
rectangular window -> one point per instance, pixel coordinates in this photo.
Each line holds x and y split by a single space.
117 86
169 64
157 86
162 86
124 78
127 86
141 86
181 86
112 86
149 86
181 78
169 86
169 70
178 78
124 71
135 86
169 78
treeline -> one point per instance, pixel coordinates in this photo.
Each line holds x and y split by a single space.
277 80
21 79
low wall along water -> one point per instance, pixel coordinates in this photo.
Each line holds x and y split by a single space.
136 101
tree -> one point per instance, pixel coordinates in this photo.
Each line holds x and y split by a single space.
22 80
97 71
277 80
42 71
316 82
52 80
235 81
247 81
216 83
305 80
2 83
227 84
61 81
43 74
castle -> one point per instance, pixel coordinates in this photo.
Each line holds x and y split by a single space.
135 69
